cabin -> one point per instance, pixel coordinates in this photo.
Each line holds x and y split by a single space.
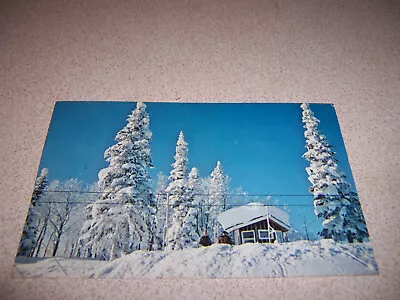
255 223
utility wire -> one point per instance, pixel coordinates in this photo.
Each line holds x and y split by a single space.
197 194
102 202
164 204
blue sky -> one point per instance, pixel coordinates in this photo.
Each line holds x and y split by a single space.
259 145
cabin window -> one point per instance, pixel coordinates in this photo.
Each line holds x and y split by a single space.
263 235
248 236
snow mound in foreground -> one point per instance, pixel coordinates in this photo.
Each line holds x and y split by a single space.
301 258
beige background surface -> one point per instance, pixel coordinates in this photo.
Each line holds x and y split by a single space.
345 52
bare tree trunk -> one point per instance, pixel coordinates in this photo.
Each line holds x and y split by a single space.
42 234
48 243
59 233
41 238
73 248
56 244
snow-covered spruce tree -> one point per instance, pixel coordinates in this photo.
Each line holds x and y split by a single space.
122 220
334 201
40 186
197 194
161 200
217 199
31 231
182 229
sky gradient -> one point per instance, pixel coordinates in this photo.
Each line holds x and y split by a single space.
259 145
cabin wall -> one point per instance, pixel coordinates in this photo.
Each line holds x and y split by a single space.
236 237
256 226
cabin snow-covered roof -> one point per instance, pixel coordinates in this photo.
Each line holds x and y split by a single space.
241 216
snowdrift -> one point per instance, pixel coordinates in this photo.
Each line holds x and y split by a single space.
301 258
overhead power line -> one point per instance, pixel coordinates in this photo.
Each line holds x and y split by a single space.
164 204
98 201
196 194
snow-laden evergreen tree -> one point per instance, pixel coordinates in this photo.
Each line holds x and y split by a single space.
40 186
161 200
194 182
178 187
334 200
217 199
29 239
197 193
122 220
182 229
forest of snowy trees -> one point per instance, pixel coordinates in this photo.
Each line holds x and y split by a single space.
125 211
55 217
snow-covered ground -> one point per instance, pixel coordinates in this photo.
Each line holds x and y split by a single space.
301 258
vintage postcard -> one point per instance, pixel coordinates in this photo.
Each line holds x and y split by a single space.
198 190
